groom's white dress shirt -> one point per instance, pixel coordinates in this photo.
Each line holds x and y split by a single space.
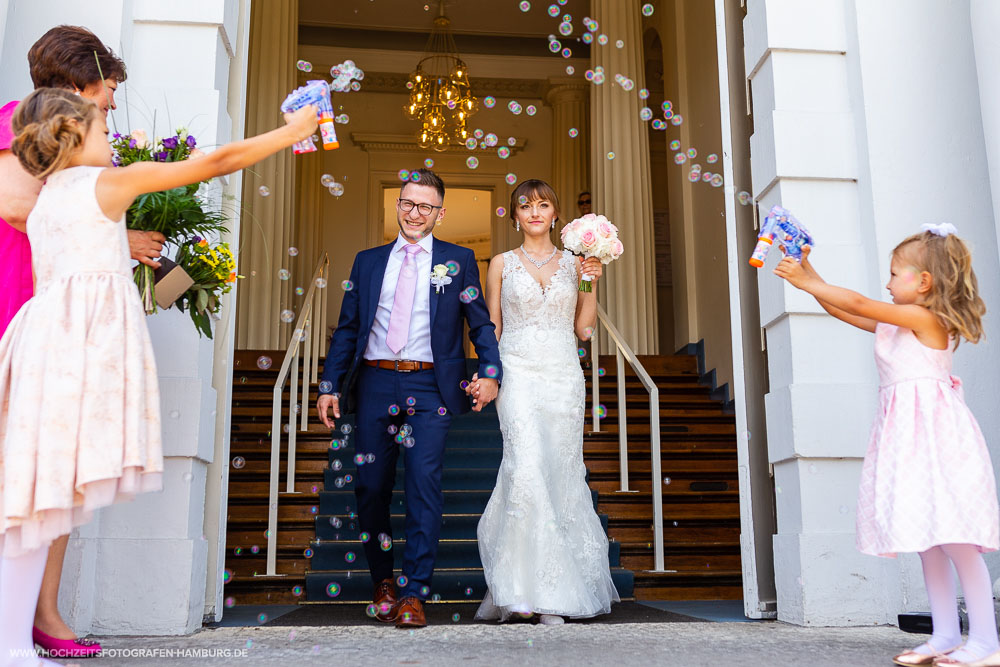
418 343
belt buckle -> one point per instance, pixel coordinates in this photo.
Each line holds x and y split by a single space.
396 362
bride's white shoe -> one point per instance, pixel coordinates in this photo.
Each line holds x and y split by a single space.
549 619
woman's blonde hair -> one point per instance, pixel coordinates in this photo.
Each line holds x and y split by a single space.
533 189
954 295
50 125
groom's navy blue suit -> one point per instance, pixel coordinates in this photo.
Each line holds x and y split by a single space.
370 392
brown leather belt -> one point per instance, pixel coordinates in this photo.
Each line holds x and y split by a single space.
399 365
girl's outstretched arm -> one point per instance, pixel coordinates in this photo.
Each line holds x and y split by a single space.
919 319
865 323
118 188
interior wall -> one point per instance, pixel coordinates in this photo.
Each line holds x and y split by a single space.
697 229
346 221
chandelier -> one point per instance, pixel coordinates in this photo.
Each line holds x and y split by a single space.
440 96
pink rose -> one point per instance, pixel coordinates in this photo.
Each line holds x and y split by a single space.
589 239
619 248
589 216
606 229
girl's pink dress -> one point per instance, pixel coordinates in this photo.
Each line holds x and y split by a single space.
15 251
79 396
927 478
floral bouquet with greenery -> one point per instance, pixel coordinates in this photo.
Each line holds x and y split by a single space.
178 214
213 269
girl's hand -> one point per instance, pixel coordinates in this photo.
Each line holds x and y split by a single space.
793 272
302 121
592 267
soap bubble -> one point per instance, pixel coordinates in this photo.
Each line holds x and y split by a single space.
239 462
333 589
645 113
503 152
531 110
293 252
611 155
511 178
456 617
643 93
680 158
470 143
403 174
587 38
525 5
659 124
567 53
694 176
335 466
327 180
489 101
337 189
264 191
263 362
717 180
346 428
565 28
620 43
676 119
492 371
299 291
287 316
712 158
744 198
555 46
602 411
647 9
491 140
394 409
472 162
692 152
284 274
675 145
553 10
511 141
342 119
501 211
573 132
428 163
304 66
364 537
601 372
469 294
320 282
602 39
347 285
411 401
325 387
453 269
442 411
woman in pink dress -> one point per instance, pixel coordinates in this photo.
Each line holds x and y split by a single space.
927 483
64 57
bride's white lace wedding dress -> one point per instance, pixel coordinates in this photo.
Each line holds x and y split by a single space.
542 544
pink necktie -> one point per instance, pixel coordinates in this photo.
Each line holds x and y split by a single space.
402 303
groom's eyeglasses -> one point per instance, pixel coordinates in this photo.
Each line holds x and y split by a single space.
405 205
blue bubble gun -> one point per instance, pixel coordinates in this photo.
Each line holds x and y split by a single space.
781 226
314 92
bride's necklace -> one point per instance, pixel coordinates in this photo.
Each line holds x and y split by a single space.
538 263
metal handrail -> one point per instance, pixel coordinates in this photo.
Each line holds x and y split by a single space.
623 350
312 318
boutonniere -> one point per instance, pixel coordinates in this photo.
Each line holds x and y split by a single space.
439 277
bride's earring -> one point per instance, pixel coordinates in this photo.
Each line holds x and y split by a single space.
553 223
517 225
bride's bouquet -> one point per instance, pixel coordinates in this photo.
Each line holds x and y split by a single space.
592 236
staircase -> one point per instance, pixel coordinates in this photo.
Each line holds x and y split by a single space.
701 513
319 548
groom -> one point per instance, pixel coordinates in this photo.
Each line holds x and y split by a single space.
397 361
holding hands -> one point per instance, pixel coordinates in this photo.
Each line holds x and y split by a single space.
483 391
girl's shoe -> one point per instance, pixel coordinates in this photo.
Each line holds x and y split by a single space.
549 619
914 658
65 648
992 660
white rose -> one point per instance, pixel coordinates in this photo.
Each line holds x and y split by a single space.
439 271
141 140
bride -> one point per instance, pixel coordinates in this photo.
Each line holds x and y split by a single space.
543 548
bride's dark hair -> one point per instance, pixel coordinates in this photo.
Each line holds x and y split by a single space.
532 190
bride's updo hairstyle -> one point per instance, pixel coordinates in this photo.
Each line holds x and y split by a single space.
50 125
532 189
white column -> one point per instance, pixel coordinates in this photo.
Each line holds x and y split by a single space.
570 100
621 186
985 15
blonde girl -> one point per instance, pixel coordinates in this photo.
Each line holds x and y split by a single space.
79 403
927 482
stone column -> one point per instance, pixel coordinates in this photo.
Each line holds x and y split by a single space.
308 216
267 222
621 186
985 21
570 100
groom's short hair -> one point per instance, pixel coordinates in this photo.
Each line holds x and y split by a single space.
425 177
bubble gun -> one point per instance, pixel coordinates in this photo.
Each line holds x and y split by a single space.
781 226
314 92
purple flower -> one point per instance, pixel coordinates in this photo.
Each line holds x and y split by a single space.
117 135
170 143
191 142
162 155
131 143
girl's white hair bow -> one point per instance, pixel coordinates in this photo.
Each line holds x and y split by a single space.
943 229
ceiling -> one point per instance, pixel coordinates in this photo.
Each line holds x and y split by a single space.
493 27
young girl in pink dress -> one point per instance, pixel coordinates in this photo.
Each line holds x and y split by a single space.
927 482
79 403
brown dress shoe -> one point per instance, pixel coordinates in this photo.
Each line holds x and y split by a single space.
410 613
385 601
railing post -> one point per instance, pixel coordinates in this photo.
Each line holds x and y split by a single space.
290 474
595 399
654 441
272 501
306 372
622 421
